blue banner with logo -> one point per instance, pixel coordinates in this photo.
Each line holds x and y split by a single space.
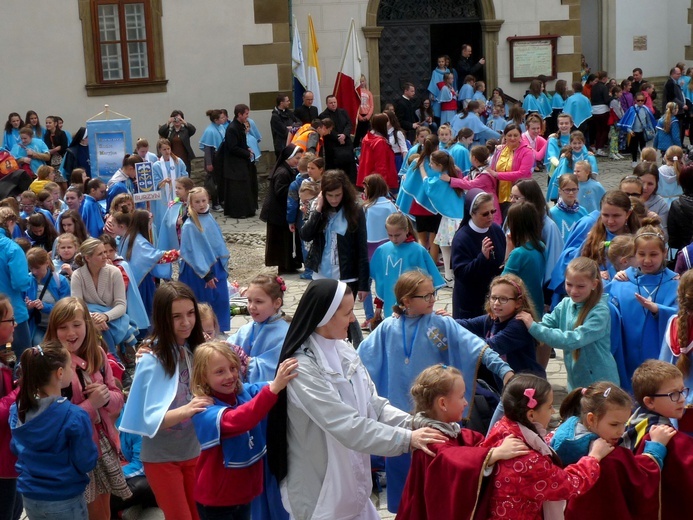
109 141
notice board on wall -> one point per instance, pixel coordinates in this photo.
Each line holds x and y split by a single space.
532 56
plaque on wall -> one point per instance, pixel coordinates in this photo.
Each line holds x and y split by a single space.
532 56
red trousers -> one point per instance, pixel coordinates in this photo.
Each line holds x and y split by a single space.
173 484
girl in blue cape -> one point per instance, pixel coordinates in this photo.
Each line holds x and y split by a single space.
469 118
401 254
176 214
590 237
450 144
161 401
591 190
145 260
558 141
165 172
437 76
578 106
423 186
536 101
567 211
577 152
230 431
262 339
135 306
422 132
402 346
645 298
204 257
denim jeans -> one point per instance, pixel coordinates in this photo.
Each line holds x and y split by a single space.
22 338
74 508
241 512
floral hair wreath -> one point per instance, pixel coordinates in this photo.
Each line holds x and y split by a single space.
282 284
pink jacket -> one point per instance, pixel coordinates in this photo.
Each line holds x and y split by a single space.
540 152
523 162
485 182
7 458
112 408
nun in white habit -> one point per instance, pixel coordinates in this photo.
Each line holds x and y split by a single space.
329 420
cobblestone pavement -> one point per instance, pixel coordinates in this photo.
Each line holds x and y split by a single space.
610 174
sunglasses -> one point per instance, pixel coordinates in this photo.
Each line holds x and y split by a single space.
639 100
487 213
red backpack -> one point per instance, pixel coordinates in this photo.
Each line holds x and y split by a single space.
8 163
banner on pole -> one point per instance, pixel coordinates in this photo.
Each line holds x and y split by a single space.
144 181
109 141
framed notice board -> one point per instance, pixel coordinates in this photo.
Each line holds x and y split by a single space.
531 56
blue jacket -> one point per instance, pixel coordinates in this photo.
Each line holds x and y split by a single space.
663 139
591 339
14 275
55 451
292 200
58 286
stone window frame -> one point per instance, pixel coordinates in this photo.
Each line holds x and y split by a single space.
157 81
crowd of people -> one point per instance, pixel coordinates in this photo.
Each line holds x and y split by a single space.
284 417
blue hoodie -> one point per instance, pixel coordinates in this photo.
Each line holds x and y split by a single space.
55 451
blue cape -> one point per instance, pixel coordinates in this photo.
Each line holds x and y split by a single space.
482 133
240 451
159 173
537 104
145 259
641 332
564 167
460 155
433 194
389 262
151 394
118 329
212 136
92 215
375 219
557 102
667 355
263 343
628 119
201 250
135 306
579 107
168 236
554 148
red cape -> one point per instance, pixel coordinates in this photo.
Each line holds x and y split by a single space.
677 476
448 485
627 489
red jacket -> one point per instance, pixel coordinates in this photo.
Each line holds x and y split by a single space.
520 486
377 157
7 458
222 487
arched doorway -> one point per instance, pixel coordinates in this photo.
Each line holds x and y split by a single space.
403 38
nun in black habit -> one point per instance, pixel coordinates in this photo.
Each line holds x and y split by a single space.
330 419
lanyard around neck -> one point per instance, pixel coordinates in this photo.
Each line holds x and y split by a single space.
408 349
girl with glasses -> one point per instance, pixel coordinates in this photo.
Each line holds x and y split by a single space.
507 296
402 346
567 210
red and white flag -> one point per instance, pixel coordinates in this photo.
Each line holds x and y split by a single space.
346 86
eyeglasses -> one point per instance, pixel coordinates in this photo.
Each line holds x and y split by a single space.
489 212
674 396
633 194
517 198
500 299
569 190
427 297
27 206
11 320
